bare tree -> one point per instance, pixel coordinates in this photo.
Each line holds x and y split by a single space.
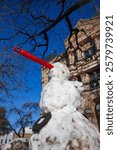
4 128
10 78
6 74
32 22
24 117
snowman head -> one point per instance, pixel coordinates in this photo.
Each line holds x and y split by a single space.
60 72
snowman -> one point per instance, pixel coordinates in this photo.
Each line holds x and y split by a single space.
62 125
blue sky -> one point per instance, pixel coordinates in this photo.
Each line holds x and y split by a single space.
32 71
86 12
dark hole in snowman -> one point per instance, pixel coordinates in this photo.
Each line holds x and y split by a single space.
41 122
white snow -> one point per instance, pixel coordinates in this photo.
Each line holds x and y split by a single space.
60 92
6 146
65 130
28 130
68 128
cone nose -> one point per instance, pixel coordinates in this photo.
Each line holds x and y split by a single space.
32 57
17 49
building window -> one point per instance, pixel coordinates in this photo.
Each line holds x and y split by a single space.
94 83
89 53
76 59
1 141
9 140
79 78
94 79
67 61
88 113
97 111
5 141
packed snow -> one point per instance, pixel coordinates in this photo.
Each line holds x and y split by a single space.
61 92
68 128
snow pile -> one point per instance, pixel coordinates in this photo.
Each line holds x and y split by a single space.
67 129
17 144
7 147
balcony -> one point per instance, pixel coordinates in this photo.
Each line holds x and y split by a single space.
90 65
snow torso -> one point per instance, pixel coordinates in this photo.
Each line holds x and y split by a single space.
60 92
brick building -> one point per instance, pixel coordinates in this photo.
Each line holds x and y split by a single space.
82 56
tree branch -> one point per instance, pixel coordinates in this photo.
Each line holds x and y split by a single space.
67 13
13 130
47 42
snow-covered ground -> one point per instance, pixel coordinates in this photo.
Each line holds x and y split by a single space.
17 144
68 128
10 141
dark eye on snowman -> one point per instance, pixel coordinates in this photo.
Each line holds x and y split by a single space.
63 72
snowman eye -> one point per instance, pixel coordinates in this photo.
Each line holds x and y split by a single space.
63 72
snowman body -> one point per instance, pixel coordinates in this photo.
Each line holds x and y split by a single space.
67 129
